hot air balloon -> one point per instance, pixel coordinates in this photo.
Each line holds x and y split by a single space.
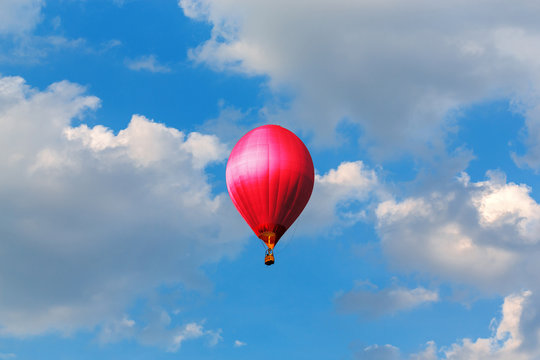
270 178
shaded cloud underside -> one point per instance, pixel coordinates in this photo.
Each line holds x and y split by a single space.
484 234
399 70
93 219
372 304
19 16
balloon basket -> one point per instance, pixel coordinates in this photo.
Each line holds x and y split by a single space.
269 257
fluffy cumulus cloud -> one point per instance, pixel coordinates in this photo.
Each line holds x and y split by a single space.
499 204
397 69
507 341
484 233
338 194
369 303
92 218
19 16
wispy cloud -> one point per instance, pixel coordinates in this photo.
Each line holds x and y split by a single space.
147 63
157 330
238 343
373 303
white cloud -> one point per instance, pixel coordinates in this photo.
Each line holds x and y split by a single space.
92 219
501 204
190 331
429 353
194 331
238 343
204 149
147 63
157 330
378 352
337 195
146 142
30 49
370 303
397 69
483 234
18 17
507 341
116 330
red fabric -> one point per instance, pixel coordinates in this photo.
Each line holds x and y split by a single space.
270 178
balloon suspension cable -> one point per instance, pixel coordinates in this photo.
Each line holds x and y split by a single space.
288 239
263 244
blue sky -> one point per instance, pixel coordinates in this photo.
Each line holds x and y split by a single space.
118 239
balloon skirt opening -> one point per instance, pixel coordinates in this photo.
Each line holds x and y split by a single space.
269 238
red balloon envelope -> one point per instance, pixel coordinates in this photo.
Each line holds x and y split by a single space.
270 178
